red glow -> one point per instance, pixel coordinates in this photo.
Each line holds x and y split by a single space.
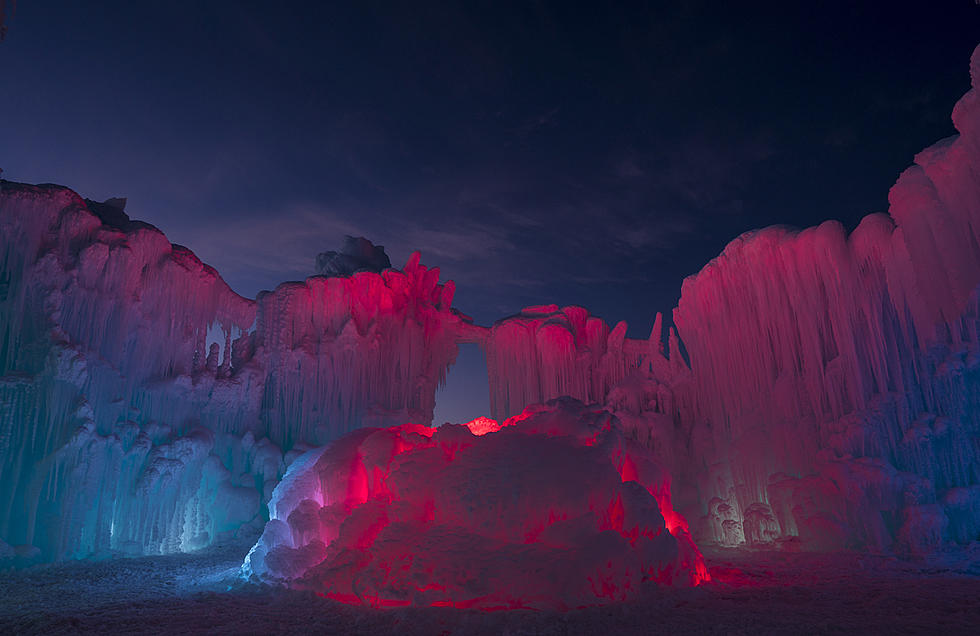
484 516
482 426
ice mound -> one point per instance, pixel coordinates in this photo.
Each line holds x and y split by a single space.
556 509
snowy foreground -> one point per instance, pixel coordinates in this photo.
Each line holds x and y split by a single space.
751 592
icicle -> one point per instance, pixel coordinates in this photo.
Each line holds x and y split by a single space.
657 336
545 353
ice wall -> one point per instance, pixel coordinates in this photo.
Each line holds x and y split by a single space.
145 406
834 387
339 353
102 329
832 395
546 352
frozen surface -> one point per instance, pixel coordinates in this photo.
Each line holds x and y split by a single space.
146 407
331 354
555 509
829 393
834 394
750 593
546 352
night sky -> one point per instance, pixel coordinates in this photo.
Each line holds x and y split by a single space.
536 153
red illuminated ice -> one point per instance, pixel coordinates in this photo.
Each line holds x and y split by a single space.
555 509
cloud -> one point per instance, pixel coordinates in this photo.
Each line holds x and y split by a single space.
261 248
459 244
628 169
271 246
705 171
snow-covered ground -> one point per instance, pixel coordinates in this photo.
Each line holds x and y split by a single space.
752 593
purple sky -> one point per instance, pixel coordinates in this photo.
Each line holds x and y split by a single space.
535 153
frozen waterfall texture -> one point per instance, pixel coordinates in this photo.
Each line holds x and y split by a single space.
144 406
555 509
832 395
835 385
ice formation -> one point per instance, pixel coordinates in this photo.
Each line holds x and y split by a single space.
545 352
830 394
835 387
145 406
337 353
555 508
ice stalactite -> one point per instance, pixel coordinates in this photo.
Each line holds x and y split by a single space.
546 352
342 352
834 385
100 312
176 371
